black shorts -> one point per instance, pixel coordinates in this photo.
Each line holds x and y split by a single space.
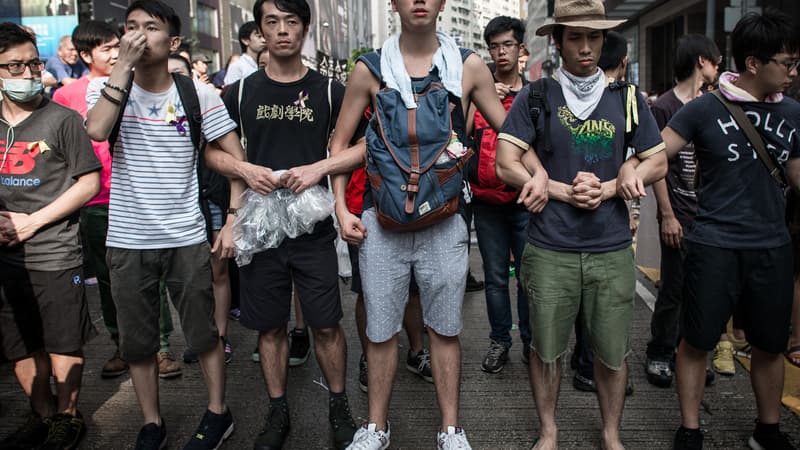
266 283
42 311
757 284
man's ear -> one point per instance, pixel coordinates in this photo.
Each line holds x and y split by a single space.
752 64
85 57
174 43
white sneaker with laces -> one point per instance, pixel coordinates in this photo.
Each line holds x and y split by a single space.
454 439
368 438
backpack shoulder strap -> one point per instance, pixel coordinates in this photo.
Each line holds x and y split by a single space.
112 137
629 93
243 137
537 104
191 106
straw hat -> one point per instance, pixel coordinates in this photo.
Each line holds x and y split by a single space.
579 13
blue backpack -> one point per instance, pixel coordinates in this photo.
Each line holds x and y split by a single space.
414 183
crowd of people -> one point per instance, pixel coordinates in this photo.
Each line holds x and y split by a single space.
138 163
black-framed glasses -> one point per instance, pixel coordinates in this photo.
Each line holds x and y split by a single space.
507 46
790 64
18 68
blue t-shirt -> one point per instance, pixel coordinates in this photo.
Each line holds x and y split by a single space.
595 145
60 70
739 205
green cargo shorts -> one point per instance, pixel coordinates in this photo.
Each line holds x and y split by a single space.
599 285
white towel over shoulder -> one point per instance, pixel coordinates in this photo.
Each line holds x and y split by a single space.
447 59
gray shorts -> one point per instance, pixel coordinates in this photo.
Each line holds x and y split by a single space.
438 258
135 277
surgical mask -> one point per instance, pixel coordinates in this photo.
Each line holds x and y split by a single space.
22 90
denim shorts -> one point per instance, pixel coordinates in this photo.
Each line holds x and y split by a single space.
560 284
437 257
216 216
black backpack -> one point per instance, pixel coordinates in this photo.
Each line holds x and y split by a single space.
213 186
537 104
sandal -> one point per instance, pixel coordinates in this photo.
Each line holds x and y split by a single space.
793 360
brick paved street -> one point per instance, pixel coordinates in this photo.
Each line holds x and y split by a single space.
497 410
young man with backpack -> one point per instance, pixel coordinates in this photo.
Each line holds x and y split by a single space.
739 252
154 122
409 221
47 171
499 219
286 113
578 256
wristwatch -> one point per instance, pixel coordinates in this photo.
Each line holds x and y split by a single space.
233 211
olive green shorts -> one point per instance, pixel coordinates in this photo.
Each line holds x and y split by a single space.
600 286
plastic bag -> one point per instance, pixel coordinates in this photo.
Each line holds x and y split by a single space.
264 221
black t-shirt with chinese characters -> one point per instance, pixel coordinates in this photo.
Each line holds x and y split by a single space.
681 172
40 160
286 124
595 145
739 205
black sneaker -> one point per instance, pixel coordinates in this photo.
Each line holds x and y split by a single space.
686 439
420 364
584 384
496 357
65 432
341 422
659 373
31 434
152 437
710 377
227 348
363 374
473 284
299 346
276 428
212 431
769 440
190 357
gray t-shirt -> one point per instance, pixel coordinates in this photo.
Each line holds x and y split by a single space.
595 145
49 150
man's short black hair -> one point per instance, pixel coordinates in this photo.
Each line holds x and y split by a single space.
92 34
615 49
763 36
159 10
12 35
178 57
501 24
690 48
244 33
298 7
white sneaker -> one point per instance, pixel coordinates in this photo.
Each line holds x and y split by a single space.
368 438
454 439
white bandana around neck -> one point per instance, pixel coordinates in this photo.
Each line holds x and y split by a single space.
582 94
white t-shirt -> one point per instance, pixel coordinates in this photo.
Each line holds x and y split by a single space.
240 68
154 199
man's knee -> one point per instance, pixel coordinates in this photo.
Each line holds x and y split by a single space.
274 335
326 335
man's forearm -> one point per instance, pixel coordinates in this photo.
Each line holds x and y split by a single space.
102 117
662 198
653 168
84 189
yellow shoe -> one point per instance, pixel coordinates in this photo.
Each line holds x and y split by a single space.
723 359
